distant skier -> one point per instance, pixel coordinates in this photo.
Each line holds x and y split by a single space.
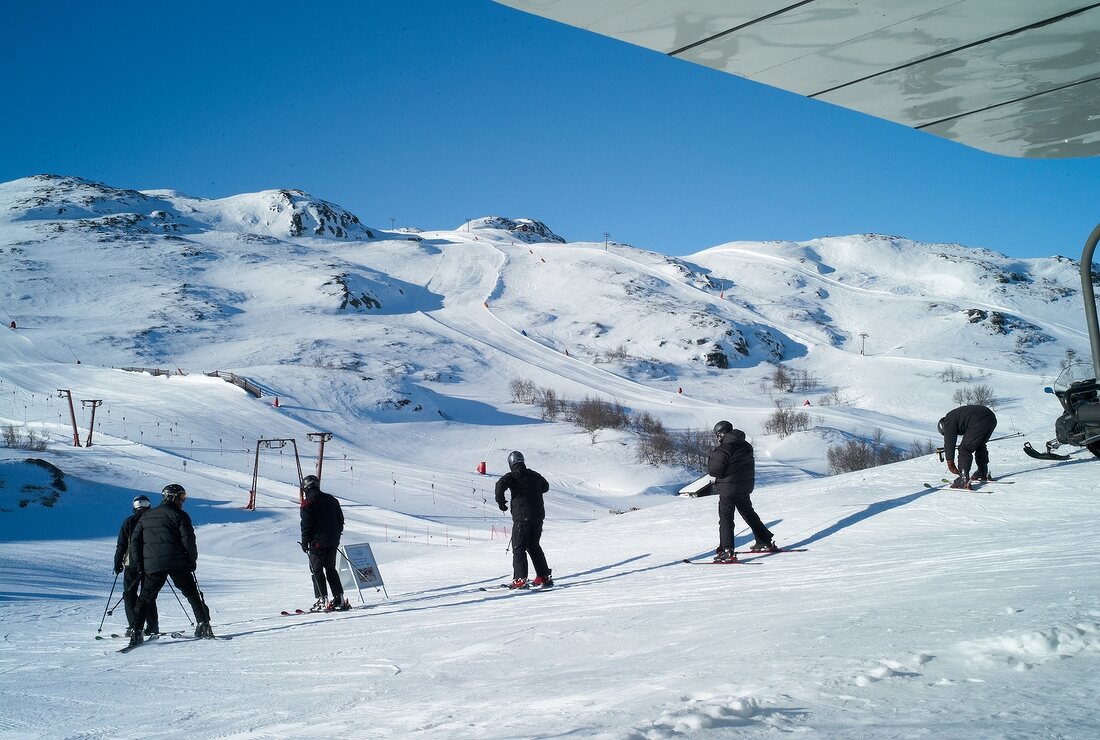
734 469
322 525
528 513
163 543
132 575
976 424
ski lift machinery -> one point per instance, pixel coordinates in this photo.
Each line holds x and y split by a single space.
1019 78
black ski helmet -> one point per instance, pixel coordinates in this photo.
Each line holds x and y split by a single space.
722 427
141 502
310 481
515 458
173 492
942 425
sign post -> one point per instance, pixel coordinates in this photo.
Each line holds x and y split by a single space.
359 570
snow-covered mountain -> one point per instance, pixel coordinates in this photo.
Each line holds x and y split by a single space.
405 345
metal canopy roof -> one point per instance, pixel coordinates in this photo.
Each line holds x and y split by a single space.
1013 77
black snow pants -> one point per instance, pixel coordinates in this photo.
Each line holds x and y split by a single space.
972 445
131 585
322 566
740 503
525 541
185 582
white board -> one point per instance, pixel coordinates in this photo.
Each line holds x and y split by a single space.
358 569
702 487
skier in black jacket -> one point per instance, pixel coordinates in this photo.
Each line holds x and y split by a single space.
163 544
131 574
734 469
528 512
322 525
976 424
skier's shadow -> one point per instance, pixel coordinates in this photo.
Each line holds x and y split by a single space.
871 510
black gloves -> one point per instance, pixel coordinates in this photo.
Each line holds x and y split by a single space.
503 507
305 546
118 568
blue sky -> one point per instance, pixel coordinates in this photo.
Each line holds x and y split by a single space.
430 112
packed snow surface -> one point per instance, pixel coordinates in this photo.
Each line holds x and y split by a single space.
913 611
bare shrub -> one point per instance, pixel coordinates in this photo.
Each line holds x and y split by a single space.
983 396
594 414
694 446
852 454
619 354
952 374
35 441
980 395
656 448
646 423
689 448
781 379
802 381
860 454
785 420
24 438
550 404
832 398
523 391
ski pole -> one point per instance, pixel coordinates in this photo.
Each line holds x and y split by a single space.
202 599
105 608
180 601
133 587
120 598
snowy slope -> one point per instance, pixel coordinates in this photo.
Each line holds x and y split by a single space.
915 611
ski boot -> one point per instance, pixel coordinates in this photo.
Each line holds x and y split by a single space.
136 638
983 476
768 546
546 582
519 583
319 605
963 483
338 604
725 555
204 631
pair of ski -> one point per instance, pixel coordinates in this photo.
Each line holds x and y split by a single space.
298 612
975 485
182 637
754 553
155 635
508 586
